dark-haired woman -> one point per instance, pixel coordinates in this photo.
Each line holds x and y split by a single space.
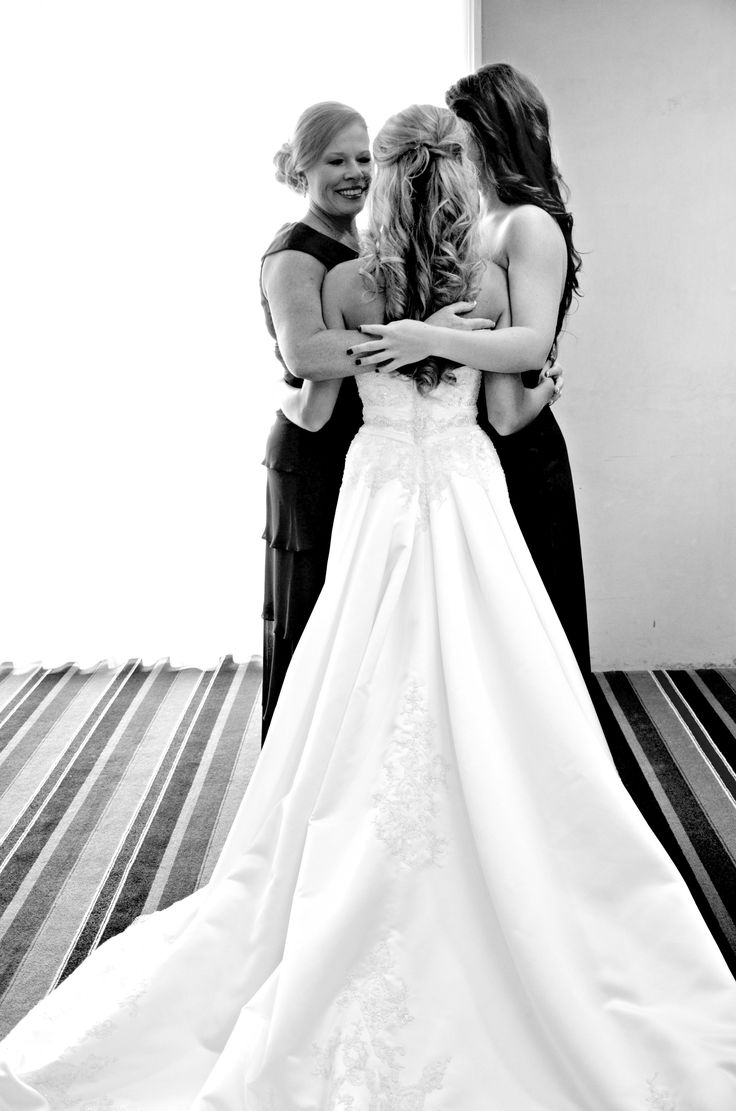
527 230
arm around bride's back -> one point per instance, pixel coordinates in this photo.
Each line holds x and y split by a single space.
292 281
535 257
316 402
536 260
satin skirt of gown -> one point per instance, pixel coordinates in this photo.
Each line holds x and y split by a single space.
436 895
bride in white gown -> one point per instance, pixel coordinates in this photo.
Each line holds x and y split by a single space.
437 895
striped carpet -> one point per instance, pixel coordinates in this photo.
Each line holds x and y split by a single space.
118 787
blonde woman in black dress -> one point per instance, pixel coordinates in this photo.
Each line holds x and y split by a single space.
329 161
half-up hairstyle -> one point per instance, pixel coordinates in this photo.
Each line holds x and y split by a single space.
315 129
420 249
509 122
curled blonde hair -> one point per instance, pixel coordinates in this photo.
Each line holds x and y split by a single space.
421 246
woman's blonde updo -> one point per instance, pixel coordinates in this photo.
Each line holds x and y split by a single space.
421 249
315 129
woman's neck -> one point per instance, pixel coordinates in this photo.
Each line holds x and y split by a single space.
341 228
490 203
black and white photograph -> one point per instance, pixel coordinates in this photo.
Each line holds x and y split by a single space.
367 620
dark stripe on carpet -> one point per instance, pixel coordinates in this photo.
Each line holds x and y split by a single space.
36 907
20 753
715 858
109 894
187 866
711 731
137 884
53 709
27 700
38 821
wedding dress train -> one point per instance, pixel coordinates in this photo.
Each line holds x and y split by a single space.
437 895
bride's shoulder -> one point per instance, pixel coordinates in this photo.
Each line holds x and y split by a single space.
345 275
345 288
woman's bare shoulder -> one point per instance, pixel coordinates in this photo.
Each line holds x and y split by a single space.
526 221
290 268
345 289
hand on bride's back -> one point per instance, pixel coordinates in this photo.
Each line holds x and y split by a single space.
453 316
409 341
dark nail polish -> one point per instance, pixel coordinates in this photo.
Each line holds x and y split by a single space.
350 351
357 362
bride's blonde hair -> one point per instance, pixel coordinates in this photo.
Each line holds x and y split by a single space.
420 249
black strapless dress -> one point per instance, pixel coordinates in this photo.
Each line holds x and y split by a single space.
538 476
304 472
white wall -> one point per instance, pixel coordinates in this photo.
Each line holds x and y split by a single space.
138 380
643 103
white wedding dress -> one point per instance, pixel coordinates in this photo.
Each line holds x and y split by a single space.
437 894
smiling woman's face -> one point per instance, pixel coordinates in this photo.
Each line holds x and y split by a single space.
338 182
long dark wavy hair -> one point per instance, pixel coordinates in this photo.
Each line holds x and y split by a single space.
509 122
421 247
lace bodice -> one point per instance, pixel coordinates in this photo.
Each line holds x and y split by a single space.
421 441
392 402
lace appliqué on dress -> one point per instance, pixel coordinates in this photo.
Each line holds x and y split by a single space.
425 469
658 1098
406 809
422 443
362 1061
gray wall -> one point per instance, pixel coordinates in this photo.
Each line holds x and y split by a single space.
643 104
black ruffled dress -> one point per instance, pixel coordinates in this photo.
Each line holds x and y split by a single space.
304 472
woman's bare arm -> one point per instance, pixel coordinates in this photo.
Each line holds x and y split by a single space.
510 405
312 406
292 282
536 272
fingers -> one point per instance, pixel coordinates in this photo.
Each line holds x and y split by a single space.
379 359
369 348
461 306
476 323
374 329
